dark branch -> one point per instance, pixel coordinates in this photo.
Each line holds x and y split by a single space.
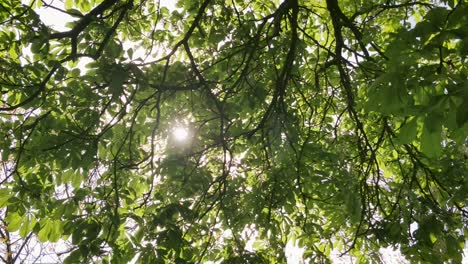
82 24
40 89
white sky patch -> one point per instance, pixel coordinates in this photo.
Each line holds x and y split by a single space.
180 133
293 253
52 17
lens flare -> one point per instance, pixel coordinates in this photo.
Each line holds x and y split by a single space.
180 133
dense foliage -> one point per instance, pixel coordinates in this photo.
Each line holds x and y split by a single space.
330 125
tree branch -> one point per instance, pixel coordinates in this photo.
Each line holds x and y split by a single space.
40 89
82 24
284 76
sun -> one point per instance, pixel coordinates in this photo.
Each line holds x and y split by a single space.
180 133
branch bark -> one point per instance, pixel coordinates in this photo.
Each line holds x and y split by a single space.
82 24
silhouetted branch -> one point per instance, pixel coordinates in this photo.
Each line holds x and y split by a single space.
83 23
41 88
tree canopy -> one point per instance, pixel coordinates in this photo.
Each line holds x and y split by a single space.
330 125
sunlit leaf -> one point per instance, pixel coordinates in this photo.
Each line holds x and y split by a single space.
14 221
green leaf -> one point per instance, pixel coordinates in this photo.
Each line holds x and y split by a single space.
76 179
464 47
353 206
68 4
75 72
27 226
431 139
462 114
56 231
46 228
5 156
5 195
92 230
77 235
454 248
13 220
424 29
437 16
74 257
408 132
118 77
130 53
